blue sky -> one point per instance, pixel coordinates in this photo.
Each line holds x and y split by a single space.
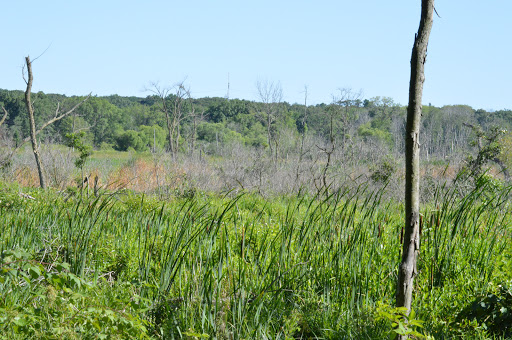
120 47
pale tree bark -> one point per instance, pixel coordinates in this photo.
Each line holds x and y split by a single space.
33 132
196 119
411 241
4 117
162 94
33 137
271 94
4 159
302 139
178 113
173 110
339 108
59 115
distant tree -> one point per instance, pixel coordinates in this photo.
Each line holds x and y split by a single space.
173 106
103 118
271 95
302 128
130 139
339 112
219 111
152 136
332 111
217 133
197 117
77 142
489 148
348 101
4 116
411 241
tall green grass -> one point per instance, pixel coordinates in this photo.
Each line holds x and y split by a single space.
243 267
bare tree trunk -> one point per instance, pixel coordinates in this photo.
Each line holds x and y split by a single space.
269 133
302 138
169 128
411 244
33 137
4 117
271 94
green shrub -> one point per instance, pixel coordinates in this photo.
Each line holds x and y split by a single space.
46 301
130 139
383 170
492 311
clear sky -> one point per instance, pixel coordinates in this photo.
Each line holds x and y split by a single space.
120 47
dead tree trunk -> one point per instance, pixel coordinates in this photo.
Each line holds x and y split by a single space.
4 117
33 132
33 137
411 242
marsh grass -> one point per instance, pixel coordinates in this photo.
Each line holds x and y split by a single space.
240 266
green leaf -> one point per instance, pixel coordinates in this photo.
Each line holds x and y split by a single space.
35 272
62 266
20 321
76 282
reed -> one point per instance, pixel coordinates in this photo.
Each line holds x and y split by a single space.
236 267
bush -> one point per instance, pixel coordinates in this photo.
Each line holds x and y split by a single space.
383 170
130 139
493 311
41 300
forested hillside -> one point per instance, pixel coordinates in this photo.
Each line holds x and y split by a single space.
123 123
267 146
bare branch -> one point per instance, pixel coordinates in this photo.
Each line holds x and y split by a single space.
23 74
84 128
172 108
30 110
59 117
4 117
435 10
57 109
42 53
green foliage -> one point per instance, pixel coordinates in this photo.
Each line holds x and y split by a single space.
489 147
492 311
383 170
379 118
46 301
255 135
217 132
244 266
367 131
400 322
76 140
130 139
106 147
153 136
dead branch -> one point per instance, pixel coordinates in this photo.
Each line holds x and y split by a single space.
58 116
4 117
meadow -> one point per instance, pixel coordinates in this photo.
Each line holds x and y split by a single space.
238 265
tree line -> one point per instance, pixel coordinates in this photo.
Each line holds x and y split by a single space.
174 121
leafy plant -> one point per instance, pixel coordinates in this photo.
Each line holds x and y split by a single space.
76 140
46 301
400 323
383 170
244 266
489 148
493 311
